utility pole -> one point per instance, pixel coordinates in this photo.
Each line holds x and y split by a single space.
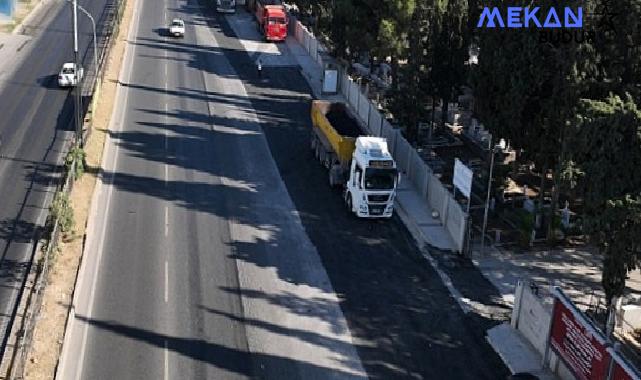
78 87
493 150
95 41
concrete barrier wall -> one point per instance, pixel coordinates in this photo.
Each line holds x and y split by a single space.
533 319
363 106
306 40
420 173
299 34
413 169
353 95
390 135
531 316
319 56
456 221
401 156
437 199
313 48
375 120
345 83
386 126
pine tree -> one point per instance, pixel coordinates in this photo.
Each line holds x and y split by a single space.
607 147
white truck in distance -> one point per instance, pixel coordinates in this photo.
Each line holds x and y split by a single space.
362 164
226 6
177 28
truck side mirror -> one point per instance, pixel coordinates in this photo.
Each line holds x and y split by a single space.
357 178
398 179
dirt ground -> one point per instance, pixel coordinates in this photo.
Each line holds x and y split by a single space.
49 331
23 8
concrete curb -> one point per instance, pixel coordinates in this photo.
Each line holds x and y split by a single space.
20 28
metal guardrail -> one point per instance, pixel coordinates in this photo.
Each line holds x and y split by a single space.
34 298
45 246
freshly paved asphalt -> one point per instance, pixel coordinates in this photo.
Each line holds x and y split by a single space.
402 316
35 126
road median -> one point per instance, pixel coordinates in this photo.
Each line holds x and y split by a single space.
45 316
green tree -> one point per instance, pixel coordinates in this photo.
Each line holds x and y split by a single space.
606 144
527 87
412 80
451 49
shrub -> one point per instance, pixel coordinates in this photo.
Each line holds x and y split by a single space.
62 212
77 155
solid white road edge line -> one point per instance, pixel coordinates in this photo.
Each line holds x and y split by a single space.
166 361
166 281
135 27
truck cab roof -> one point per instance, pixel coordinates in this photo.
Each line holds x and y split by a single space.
274 11
372 149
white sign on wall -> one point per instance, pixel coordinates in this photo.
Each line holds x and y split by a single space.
330 81
462 177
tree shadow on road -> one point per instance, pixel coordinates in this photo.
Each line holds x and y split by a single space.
230 359
398 310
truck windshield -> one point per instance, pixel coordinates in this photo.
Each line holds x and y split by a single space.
276 20
380 179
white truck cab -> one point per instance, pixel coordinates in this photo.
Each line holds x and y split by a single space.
226 6
177 28
373 178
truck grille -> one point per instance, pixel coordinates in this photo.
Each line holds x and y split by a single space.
376 210
382 198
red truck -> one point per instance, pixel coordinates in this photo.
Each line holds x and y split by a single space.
271 17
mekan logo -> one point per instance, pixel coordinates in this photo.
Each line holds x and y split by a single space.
525 17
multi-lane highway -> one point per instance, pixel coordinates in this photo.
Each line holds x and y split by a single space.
35 127
222 253
205 271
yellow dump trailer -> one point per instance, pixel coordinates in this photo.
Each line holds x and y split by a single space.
334 135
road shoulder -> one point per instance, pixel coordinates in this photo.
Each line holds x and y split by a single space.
50 328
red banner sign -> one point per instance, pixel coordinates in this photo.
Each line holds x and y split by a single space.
574 339
621 370
620 373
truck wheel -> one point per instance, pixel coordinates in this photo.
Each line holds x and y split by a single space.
349 203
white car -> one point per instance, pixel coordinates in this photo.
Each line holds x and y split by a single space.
68 77
177 28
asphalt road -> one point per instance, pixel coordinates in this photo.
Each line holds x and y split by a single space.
35 127
396 306
224 252
205 271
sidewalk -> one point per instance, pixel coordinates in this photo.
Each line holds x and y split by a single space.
517 353
415 214
576 270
